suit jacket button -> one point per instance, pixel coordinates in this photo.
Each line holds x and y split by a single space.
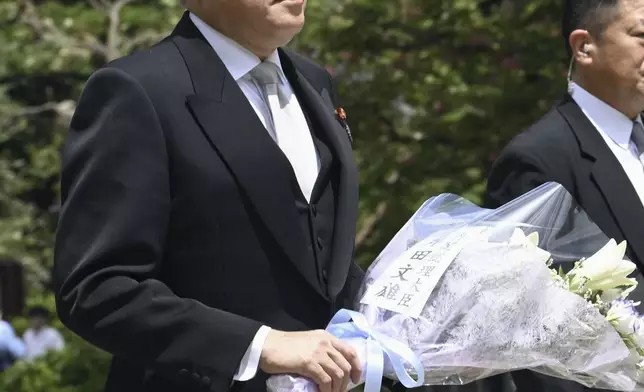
206 380
183 372
325 275
314 210
320 244
196 377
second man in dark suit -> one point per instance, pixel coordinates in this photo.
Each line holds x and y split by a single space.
592 142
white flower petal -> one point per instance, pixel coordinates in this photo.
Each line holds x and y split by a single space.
533 238
517 237
611 295
623 315
605 259
638 335
605 270
531 241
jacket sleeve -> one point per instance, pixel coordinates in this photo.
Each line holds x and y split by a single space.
116 201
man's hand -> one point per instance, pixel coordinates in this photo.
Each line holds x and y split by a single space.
317 355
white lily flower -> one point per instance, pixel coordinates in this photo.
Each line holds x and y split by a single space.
530 241
623 316
638 328
518 237
605 270
611 295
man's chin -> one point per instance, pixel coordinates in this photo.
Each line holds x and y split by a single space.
288 27
293 8
290 3
639 96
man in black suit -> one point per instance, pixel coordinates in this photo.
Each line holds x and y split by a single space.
591 141
209 205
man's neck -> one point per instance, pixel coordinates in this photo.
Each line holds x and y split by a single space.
611 97
259 51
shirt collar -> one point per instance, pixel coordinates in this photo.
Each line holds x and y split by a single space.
238 60
604 117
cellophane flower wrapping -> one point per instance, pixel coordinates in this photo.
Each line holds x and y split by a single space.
472 296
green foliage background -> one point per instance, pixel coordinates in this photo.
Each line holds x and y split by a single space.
433 90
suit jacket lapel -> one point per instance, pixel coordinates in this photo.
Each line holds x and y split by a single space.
322 111
610 178
236 133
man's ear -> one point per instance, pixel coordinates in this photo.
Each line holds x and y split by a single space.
582 46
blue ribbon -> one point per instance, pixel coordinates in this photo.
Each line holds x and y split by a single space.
378 346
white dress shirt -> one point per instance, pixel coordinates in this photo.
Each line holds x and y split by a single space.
239 62
9 341
615 128
38 343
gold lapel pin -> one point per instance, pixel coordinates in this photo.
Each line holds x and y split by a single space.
341 114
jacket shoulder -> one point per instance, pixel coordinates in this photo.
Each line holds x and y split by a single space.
550 137
159 66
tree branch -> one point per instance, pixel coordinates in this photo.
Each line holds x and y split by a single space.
47 30
14 19
98 5
392 131
114 46
37 272
43 78
370 223
63 108
148 36
113 36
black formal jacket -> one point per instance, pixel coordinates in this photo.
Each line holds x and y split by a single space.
178 235
564 147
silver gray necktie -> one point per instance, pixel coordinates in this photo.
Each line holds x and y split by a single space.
297 144
637 135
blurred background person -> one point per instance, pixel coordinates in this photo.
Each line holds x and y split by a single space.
11 347
41 337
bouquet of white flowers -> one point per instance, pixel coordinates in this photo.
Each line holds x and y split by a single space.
462 293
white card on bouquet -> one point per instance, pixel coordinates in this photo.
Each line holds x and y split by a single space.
405 286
